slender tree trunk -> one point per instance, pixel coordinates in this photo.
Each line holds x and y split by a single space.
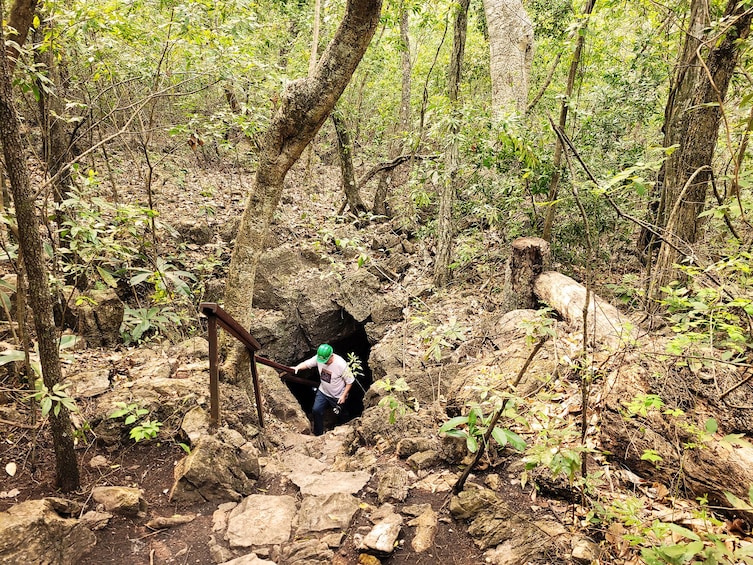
565 105
689 168
385 179
21 16
304 106
39 291
345 150
511 54
447 195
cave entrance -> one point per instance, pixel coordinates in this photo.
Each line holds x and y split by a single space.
355 344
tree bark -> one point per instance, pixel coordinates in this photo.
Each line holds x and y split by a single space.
564 106
40 297
305 105
385 179
344 147
689 168
20 19
688 73
511 54
530 257
445 228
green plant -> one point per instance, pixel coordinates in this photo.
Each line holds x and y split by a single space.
556 447
53 400
441 337
474 425
67 341
134 414
391 400
165 278
138 323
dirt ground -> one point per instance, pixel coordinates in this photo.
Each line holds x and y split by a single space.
149 466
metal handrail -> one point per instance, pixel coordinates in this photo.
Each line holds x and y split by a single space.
216 315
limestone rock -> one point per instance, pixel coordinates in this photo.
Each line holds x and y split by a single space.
261 520
383 536
308 552
36 531
121 500
322 513
212 471
393 484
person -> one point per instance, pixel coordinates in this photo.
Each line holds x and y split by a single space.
335 378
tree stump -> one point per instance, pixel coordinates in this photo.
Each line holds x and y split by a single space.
530 257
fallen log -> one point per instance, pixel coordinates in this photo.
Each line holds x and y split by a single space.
606 325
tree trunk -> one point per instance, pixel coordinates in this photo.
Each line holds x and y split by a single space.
344 147
385 179
564 106
40 297
21 16
447 194
687 75
511 54
688 170
305 105
530 257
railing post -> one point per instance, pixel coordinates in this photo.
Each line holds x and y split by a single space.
257 391
214 377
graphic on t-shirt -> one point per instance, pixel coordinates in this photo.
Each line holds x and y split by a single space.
326 376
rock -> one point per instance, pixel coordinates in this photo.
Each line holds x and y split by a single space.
121 500
36 531
423 459
191 231
584 550
212 471
309 552
331 482
195 424
99 318
96 520
99 462
261 520
410 445
426 530
383 536
196 347
393 484
322 513
470 502
162 522
87 384
368 559
250 559
358 294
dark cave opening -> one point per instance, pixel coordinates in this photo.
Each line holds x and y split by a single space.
356 344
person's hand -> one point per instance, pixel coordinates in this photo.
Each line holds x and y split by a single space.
296 370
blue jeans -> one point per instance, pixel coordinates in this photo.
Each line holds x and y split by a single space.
321 403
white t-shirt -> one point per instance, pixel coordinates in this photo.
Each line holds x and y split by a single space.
333 376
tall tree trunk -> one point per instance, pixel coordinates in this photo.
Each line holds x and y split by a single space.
447 194
304 106
385 179
40 297
21 16
688 170
511 52
564 106
688 74
345 150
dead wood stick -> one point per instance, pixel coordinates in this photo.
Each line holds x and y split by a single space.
488 434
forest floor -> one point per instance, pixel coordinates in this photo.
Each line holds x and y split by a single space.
215 195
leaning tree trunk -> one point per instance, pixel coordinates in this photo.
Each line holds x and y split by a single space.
511 54
345 150
304 106
452 160
40 297
689 168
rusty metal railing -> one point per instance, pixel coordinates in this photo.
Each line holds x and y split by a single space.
217 316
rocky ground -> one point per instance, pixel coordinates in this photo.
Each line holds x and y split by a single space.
369 492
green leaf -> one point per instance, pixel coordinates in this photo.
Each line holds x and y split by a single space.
683 531
453 423
515 440
107 276
471 444
499 436
711 426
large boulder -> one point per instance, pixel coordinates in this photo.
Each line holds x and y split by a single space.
43 531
